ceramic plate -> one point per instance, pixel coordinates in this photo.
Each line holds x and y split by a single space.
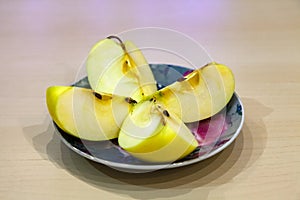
213 134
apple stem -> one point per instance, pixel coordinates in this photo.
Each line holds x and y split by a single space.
128 63
119 40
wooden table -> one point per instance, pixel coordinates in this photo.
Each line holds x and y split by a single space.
44 42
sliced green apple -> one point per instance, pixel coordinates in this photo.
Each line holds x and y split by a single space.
87 115
119 68
152 134
200 94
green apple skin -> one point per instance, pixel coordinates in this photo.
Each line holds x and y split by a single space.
200 94
121 71
149 134
80 113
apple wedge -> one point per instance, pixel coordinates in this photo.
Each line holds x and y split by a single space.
114 67
200 94
85 114
152 134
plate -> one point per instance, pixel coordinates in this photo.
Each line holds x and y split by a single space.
213 134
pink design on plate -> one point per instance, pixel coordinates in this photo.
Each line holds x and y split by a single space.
208 131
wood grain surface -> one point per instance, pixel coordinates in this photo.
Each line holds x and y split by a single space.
43 43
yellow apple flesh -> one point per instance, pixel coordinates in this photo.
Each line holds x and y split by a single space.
120 69
80 113
200 94
152 134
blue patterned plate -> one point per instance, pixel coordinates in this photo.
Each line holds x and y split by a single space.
213 134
